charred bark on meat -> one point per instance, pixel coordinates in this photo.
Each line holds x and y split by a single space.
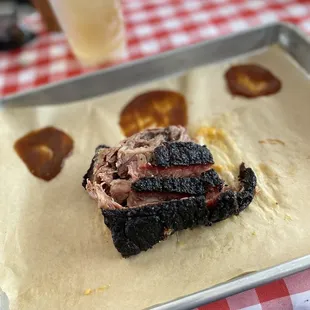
247 181
181 154
191 185
211 179
139 229
158 182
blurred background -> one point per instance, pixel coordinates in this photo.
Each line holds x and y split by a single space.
25 7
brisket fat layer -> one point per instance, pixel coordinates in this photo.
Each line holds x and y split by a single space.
158 182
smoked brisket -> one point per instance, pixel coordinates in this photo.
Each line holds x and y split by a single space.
139 229
158 182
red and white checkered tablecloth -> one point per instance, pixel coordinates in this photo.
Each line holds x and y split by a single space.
154 26
291 293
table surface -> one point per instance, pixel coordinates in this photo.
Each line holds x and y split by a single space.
154 26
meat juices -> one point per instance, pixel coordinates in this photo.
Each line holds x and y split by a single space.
159 108
43 151
251 81
158 182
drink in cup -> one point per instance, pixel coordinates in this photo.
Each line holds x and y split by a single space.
94 28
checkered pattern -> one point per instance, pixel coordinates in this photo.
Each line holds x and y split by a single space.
154 26
291 293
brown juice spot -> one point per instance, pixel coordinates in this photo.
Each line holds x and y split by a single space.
251 81
271 141
43 151
159 108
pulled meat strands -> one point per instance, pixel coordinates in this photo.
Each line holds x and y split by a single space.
137 151
190 155
120 189
157 182
139 229
89 172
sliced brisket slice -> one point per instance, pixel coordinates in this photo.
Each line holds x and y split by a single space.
176 159
201 184
139 229
158 182
181 154
192 186
158 189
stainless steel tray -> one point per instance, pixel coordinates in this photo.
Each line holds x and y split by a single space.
169 63
236 286
175 62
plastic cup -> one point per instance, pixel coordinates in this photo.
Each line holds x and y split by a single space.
94 28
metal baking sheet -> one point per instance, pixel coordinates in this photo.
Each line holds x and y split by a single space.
236 286
169 63
174 63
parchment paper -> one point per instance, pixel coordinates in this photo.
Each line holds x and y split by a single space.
53 241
